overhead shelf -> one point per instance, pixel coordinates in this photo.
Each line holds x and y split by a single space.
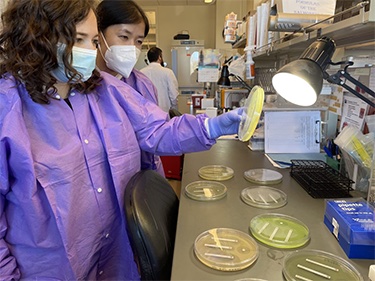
357 29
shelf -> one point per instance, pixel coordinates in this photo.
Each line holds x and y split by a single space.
355 30
241 43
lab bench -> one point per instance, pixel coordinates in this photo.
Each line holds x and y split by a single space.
196 217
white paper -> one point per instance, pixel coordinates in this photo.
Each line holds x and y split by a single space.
292 131
319 7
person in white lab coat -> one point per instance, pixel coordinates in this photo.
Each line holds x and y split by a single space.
163 78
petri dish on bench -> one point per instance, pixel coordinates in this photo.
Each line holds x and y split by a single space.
264 197
216 172
318 265
279 231
206 190
226 249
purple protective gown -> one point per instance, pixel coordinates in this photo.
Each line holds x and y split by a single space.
138 81
63 174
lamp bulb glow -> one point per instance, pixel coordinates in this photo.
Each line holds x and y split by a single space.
300 93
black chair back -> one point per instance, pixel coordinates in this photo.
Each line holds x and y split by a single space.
151 209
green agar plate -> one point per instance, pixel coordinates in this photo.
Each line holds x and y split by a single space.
279 231
263 176
264 197
251 114
216 172
226 249
206 190
318 265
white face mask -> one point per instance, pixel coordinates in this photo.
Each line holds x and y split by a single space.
121 58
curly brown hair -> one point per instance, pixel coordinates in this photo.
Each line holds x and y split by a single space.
28 43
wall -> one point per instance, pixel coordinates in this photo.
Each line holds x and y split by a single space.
202 22
171 20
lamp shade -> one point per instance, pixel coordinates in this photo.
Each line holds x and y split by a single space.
224 77
300 81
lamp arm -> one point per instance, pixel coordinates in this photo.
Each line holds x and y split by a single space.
336 79
241 81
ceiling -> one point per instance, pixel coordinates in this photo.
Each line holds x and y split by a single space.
171 2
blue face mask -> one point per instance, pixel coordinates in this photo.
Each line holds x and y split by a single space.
84 61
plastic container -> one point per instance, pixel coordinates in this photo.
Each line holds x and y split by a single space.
249 66
357 145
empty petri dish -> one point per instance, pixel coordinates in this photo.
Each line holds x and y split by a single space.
206 190
318 265
263 176
264 197
279 231
226 249
216 172
251 114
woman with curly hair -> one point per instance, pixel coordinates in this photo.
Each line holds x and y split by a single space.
70 140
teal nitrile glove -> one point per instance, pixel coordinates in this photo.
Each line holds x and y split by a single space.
225 124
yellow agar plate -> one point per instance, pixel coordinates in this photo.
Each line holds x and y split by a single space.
251 114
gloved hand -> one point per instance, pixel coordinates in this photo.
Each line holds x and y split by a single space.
225 124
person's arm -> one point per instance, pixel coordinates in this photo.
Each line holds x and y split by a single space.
183 134
172 89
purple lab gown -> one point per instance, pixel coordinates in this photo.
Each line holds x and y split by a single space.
138 81
63 174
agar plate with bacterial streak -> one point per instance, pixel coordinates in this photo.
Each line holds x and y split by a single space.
206 190
216 172
279 231
226 249
318 265
264 197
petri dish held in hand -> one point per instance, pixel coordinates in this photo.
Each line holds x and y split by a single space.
251 114
216 172
279 231
318 265
226 249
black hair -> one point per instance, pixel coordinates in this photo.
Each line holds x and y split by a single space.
153 54
111 12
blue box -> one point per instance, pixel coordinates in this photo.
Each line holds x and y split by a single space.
352 222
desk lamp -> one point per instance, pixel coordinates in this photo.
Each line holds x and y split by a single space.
224 78
301 81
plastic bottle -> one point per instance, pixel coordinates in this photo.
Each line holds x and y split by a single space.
249 66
